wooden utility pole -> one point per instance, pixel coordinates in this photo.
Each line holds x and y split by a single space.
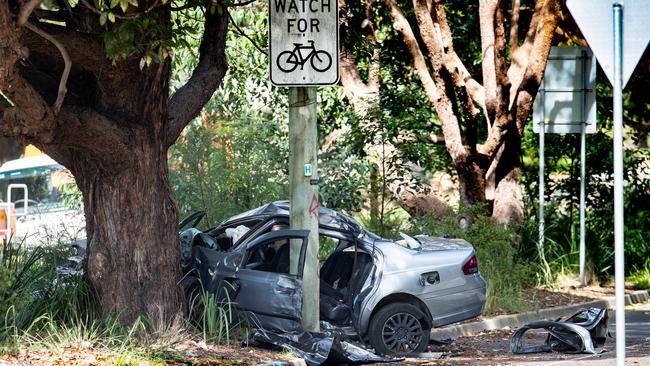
303 173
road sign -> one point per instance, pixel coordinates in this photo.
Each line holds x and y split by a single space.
303 42
594 18
567 96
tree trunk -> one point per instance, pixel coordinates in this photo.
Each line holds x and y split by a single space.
508 201
471 182
134 197
10 149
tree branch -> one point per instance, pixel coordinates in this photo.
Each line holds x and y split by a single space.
66 69
241 32
87 129
487 14
525 93
514 26
532 56
29 115
449 121
462 78
520 57
361 95
187 102
437 38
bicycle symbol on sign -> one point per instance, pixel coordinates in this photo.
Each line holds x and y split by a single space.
288 61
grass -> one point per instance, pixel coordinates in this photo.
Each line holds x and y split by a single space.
640 278
40 311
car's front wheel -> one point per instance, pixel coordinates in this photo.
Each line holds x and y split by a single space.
398 328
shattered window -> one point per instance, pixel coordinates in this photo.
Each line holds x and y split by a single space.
270 257
327 245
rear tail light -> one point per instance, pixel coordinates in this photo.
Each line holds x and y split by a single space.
471 266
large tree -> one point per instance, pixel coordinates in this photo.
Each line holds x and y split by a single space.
87 82
482 117
10 149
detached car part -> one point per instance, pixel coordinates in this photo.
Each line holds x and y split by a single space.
327 348
584 332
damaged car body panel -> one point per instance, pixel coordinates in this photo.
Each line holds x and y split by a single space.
437 293
251 277
584 332
388 293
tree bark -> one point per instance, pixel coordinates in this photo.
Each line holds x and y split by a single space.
10 149
131 222
508 199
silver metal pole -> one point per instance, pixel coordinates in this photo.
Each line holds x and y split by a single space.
619 263
541 190
583 158
583 153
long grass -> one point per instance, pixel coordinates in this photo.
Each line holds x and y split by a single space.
640 277
40 310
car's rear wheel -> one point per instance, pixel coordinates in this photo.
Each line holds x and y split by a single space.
399 328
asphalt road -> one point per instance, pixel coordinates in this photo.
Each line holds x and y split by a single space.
493 347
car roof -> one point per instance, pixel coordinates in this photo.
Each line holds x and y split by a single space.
327 217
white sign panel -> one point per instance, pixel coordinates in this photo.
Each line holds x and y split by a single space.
567 96
596 21
304 42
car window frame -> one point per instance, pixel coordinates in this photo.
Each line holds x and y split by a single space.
289 234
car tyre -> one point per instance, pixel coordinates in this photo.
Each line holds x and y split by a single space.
398 328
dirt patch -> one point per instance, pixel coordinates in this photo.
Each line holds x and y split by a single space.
186 353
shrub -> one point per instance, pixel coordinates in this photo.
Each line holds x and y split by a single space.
640 278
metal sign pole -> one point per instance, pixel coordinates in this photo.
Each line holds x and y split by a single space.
583 153
619 271
541 191
583 158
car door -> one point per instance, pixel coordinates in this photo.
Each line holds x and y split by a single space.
266 289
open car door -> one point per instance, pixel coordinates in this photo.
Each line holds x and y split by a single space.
266 288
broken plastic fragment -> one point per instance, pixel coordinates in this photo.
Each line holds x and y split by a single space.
584 332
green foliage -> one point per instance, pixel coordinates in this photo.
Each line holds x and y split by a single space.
562 190
394 221
505 272
229 161
216 318
29 289
71 196
640 278
225 167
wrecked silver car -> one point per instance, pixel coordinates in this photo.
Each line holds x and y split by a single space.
386 293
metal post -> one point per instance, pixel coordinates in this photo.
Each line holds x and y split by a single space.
583 158
583 154
303 172
542 132
619 263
